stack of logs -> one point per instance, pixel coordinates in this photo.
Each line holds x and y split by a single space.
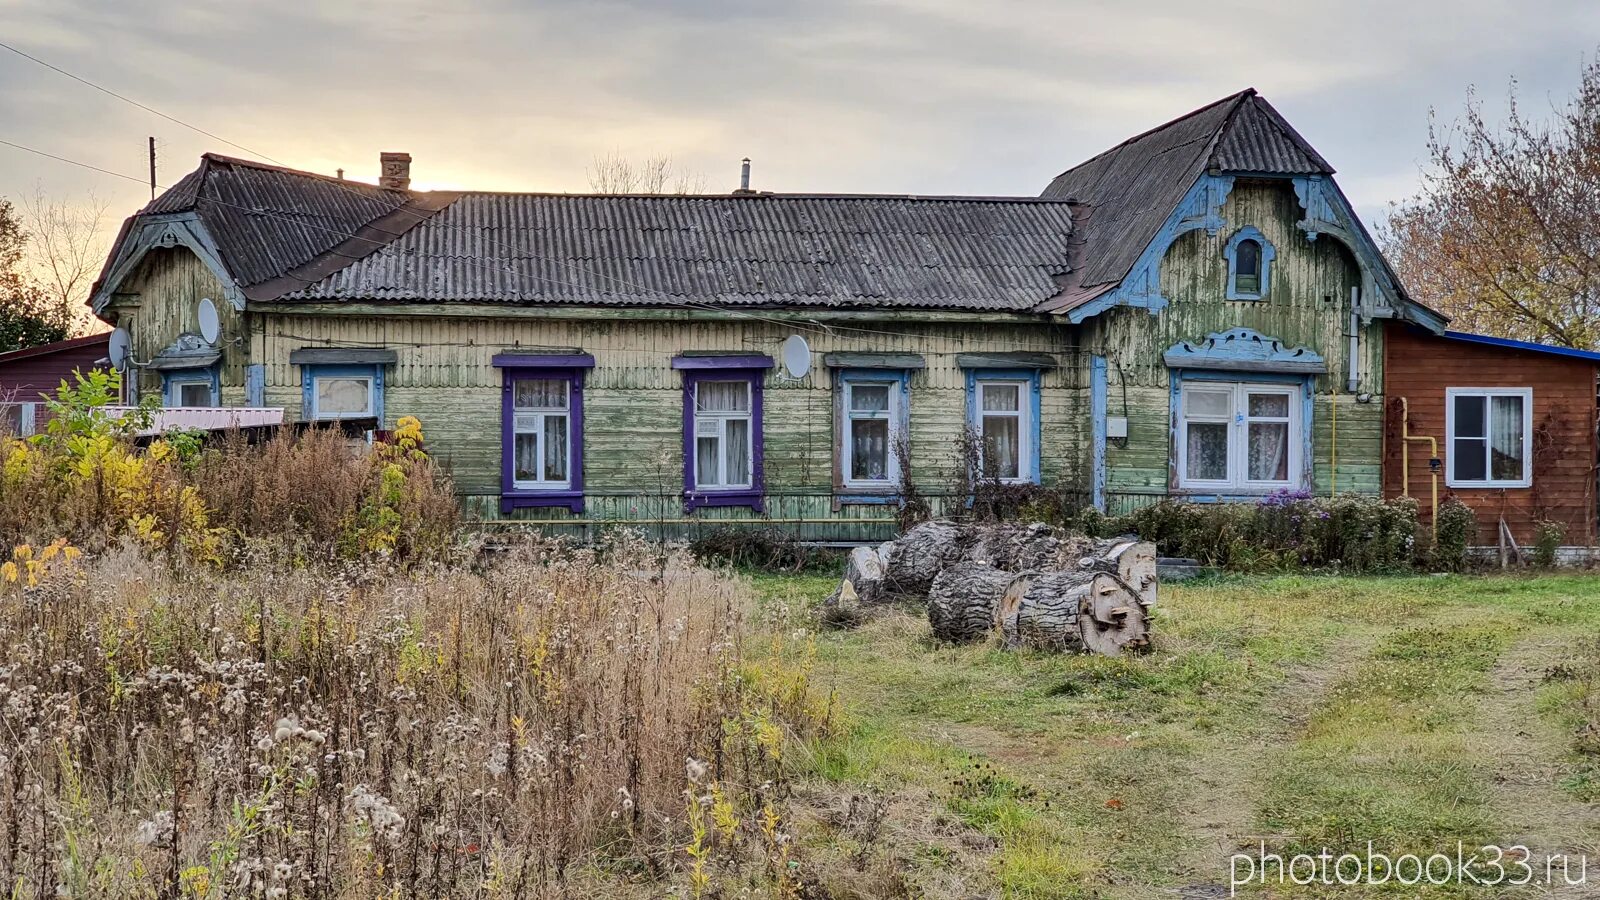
1037 586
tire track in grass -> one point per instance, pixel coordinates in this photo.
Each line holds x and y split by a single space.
1529 755
1389 756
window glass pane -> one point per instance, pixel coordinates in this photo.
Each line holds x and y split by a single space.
869 450
705 460
194 393
555 448
1001 447
1247 259
722 396
1207 451
1001 397
1469 459
342 396
738 450
1217 404
1469 418
527 457
539 393
1505 438
869 398
1269 406
1269 451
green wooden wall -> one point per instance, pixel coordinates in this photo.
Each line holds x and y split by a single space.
1308 305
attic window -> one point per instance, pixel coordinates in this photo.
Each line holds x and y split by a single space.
1249 264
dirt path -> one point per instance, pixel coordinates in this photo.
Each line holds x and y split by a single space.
1224 778
1527 756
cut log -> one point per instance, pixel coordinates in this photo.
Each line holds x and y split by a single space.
1007 545
917 557
964 600
863 578
1082 610
1128 558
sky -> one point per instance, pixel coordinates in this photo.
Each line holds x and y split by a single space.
988 97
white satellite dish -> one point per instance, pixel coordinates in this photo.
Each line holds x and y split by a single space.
796 356
117 349
210 325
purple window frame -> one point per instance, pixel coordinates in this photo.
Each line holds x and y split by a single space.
751 368
571 366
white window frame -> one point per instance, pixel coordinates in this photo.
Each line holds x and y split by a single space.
721 420
316 411
893 415
1238 421
1450 395
1024 416
539 414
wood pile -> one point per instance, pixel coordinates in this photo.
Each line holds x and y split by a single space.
1034 585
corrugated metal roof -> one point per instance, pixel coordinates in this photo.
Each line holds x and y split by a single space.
1510 344
741 250
1133 188
268 220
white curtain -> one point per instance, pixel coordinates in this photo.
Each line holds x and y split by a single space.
555 448
1505 438
738 450
1269 451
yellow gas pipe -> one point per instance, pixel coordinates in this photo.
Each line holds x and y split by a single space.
1405 465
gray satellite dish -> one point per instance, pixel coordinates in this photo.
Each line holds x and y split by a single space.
118 349
210 325
796 356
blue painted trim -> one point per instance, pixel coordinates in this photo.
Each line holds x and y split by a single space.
1200 208
1097 418
1328 211
901 379
1031 376
171 378
1244 350
1268 254
1509 344
310 371
1308 429
755 495
255 385
570 497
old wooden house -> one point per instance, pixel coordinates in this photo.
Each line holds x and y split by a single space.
1197 312
1505 426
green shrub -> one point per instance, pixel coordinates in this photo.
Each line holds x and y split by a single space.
1283 531
1455 526
1548 537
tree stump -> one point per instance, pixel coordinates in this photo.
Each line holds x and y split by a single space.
863 579
917 557
964 599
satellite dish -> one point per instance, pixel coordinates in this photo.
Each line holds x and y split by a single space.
210 325
796 356
118 349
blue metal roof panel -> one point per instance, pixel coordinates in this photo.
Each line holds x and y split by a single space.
1509 344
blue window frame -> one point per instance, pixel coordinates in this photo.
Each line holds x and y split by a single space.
329 392
541 430
191 387
1250 257
1003 413
873 423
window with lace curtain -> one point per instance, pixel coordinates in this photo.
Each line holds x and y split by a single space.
1489 437
542 430
1239 437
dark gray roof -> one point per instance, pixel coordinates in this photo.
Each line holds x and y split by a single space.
1133 188
267 220
732 250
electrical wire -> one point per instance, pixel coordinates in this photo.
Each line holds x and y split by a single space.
818 327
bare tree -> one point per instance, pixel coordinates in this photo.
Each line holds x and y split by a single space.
1503 235
27 315
66 248
616 174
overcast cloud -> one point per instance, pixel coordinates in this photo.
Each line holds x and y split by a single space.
896 96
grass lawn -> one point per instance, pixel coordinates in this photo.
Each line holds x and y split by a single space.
1302 713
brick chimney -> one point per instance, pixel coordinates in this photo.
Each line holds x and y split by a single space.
394 171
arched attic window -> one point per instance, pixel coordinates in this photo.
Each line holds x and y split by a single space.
1250 258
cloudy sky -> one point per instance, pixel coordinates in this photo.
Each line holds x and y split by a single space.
892 96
